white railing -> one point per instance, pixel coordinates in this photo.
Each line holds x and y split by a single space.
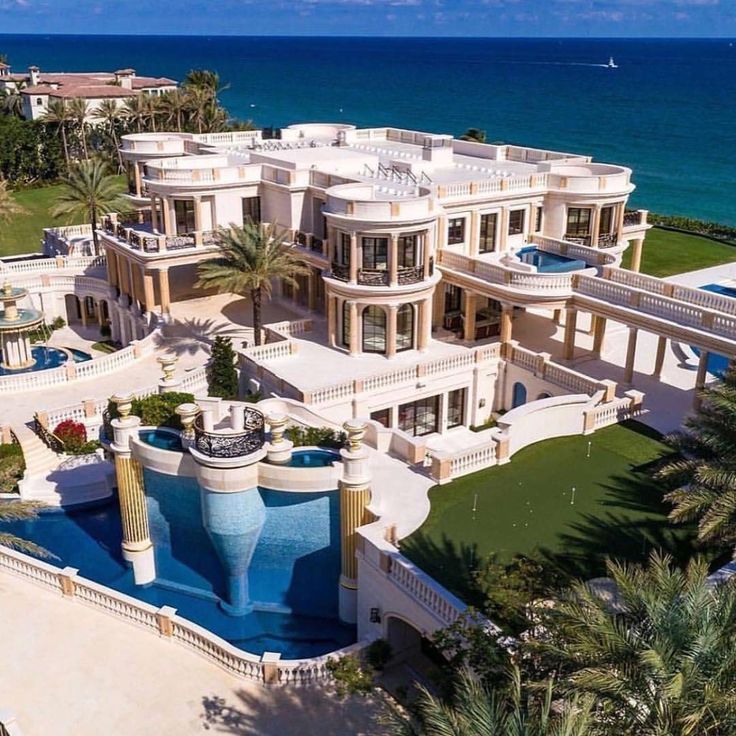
166 623
472 459
618 410
47 265
271 350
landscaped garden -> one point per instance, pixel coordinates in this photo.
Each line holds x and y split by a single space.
667 253
529 507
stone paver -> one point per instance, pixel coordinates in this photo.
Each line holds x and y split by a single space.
71 671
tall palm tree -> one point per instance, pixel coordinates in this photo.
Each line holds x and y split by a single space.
78 110
174 106
11 102
108 112
8 205
703 478
152 111
476 711
662 660
251 257
57 113
90 191
20 511
135 111
199 104
476 135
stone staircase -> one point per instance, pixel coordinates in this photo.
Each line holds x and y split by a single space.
61 480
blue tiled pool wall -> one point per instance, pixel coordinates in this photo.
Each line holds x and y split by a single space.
717 364
278 550
46 358
549 262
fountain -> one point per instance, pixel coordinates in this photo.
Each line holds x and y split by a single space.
15 327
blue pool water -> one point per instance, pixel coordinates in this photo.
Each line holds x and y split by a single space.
46 358
313 458
549 262
717 364
292 578
162 439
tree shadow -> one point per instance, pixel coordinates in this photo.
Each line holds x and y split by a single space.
189 336
282 711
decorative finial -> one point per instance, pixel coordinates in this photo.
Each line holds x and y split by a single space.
355 429
124 403
278 423
168 366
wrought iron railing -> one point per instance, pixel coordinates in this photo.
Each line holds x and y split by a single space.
607 240
370 277
108 225
631 218
231 443
46 436
340 272
177 242
578 239
411 275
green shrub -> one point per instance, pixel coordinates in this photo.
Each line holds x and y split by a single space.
12 467
105 331
488 424
253 397
58 323
316 437
222 378
378 654
351 678
156 410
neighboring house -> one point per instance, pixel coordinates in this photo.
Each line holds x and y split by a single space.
39 88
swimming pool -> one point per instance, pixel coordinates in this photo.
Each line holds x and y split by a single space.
313 458
46 357
549 262
292 578
162 438
717 364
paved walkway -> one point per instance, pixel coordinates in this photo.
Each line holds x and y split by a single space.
71 671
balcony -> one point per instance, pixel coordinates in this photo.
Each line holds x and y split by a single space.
578 239
373 277
607 240
140 236
379 277
231 443
635 218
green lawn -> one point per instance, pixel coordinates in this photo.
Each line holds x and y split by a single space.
526 507
667 253
23 233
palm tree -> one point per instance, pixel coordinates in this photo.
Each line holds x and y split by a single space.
476 711
20 511
136 112
250 258
58 114
174 105
199 104
90 191
8 205
11 103
703 477
109 112
152 111
660 658
78 114
476 135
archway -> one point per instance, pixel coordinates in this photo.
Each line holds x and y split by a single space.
518 395
405 640
73 309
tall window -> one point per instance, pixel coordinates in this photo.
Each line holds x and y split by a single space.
456 408
346 324
487 241
343 250
374 330
251 210
516 222
184 212
407 255
456 230
538 223
578 221
405 327
382 416
420 417
606 220
375 253
453 298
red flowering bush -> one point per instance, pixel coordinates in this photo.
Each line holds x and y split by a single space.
72 434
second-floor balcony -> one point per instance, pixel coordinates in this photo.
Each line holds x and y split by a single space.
140 236
379 277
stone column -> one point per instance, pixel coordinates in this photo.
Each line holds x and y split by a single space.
469 300
507 322
331 321
503 231
137 173
659 359
355 495
149 297
637 246
197 214
425 248
474 234
630 355
595 225
112 277
163 285
137 545
154 213
393 260
424 334
571 318
391 331
353 257
166 212
599 334
700 378
354 329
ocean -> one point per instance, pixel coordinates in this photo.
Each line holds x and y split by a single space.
667 110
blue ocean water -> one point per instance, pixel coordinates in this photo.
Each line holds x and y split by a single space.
666 111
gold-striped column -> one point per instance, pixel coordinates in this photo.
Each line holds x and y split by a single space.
355 495
136 544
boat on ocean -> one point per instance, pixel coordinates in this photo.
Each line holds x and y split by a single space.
611 63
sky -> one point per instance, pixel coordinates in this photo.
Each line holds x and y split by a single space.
579 18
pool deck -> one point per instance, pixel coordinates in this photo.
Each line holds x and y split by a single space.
125 680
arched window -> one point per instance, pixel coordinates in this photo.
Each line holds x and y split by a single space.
374 330
518 396
346 323
405 327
